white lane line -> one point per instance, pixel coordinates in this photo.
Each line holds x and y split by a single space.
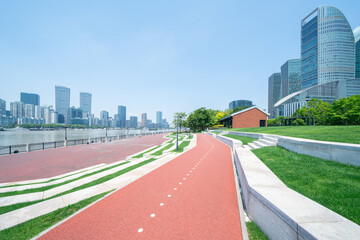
187 174
180 183
152 215
175 189
140 230
161 204
169 195
184 178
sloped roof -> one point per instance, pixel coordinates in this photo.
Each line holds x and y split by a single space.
245 110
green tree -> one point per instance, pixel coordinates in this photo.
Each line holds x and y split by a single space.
201 119
298 122
317 109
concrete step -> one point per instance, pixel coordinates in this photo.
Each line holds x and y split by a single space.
252 145
246 147
268 142
259 144
271 139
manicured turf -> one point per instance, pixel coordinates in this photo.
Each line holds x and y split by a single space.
41 189
13 207
244 140
30 229
346 134
160 152
182 146
333 185
255 232
142 154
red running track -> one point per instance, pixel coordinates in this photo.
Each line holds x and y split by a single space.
191 197
53 162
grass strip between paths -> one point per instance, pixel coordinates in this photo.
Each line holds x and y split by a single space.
41 189
142 154
331 184
33 227
13 207
51 180
182 146
160 152
244 140
255 232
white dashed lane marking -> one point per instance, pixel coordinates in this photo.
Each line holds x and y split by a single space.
169 195
175 189
161 204
140 230
152 215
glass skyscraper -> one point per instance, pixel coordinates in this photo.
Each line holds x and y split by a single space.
274 92
62 103
357 51
30 98
327 47
122 116
85 102
159 118
240 103
290 77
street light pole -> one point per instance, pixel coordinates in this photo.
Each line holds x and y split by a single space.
65 136
106 138
177 134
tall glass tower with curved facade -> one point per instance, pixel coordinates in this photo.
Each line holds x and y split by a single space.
327 47
357 51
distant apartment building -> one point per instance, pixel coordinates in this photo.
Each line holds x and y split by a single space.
158 119
74 113
121 116
17 109
144 120
290 77
62 103
85 102
30 98
133 122
2 107
240 103
29 111
357 51
274 92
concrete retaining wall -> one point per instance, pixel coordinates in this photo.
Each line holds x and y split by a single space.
340 152
280 212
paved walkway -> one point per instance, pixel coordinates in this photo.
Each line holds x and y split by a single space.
191 197
53 162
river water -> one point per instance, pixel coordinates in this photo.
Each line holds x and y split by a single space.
24 136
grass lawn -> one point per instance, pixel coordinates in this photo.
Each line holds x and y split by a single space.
255 232
41 189
332 184
142 154
182 146
244 140
13 207
30 229
160 152
346 134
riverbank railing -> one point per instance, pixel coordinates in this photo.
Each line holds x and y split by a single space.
30 147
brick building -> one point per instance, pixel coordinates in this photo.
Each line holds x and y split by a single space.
249 117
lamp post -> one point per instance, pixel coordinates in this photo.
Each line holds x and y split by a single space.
65 136
177 134
106 138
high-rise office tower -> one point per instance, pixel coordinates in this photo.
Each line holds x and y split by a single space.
62 103
30 98
133 122
104 115
122 116
2 107
274 92
290 77
357 51
85 102
240 103
17 109
144 120
327 47
158 118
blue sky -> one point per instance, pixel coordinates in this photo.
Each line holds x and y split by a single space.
151 55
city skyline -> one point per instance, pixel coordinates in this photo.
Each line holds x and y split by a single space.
141 63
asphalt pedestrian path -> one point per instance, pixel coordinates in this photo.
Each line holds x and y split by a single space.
191 197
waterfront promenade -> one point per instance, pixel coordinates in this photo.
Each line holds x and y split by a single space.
191 197
52 162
